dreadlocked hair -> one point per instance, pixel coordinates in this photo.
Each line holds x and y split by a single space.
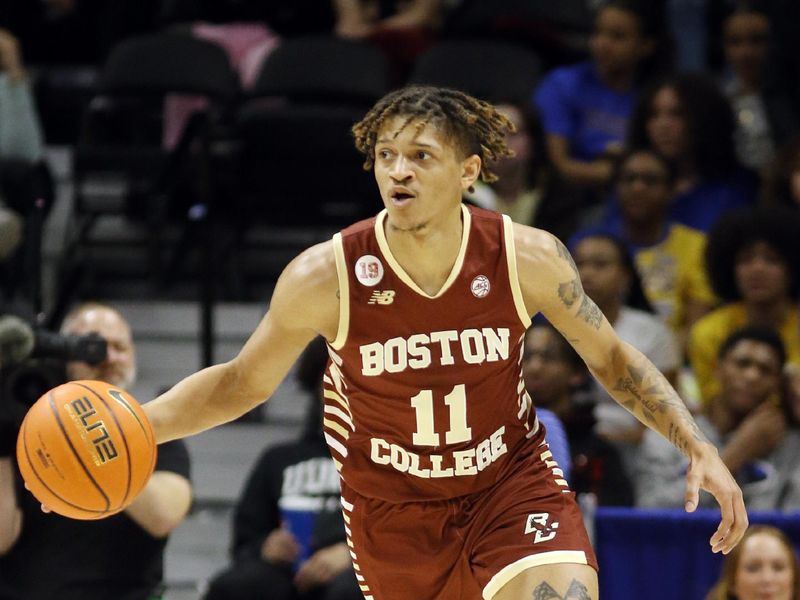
474 125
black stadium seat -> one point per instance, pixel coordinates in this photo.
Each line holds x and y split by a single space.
494 71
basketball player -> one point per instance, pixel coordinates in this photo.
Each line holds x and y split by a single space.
49 556
448 487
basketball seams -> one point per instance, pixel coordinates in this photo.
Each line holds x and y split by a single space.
32 466
124 440
148 431
146 428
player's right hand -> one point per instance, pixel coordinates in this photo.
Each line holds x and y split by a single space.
708 472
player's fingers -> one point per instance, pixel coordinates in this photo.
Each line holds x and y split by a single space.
725 524
692 496
739 526
45 508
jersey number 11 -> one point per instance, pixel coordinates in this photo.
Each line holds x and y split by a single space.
426 435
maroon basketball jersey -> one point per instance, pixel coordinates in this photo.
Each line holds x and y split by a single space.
424 396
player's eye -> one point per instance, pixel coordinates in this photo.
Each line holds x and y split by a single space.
422 155
384 154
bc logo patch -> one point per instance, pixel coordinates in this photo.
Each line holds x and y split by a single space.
537 524
480 286
369 270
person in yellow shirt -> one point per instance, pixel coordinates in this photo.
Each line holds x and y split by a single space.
752 257
668 256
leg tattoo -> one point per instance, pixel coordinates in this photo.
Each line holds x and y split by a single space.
576 591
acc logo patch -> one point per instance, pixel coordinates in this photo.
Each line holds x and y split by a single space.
369 270
480 286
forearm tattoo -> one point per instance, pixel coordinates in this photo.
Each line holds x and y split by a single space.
650 395
572 291
576 591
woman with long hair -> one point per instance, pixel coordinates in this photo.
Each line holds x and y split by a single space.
763 566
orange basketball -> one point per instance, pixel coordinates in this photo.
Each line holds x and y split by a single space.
86 449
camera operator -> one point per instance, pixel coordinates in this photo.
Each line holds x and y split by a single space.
121 556
34 361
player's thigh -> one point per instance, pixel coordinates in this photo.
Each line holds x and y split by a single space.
563 581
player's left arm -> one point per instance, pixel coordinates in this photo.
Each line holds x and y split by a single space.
163 503
551 285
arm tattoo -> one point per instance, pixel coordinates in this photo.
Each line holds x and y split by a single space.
650 395
576 591
564 253
590 313
572 291
569 292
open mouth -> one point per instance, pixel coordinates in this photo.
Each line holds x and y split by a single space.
401 198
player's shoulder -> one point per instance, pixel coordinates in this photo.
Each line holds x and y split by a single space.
533 245
309 282
315 266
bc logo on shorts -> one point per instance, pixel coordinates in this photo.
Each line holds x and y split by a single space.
537 523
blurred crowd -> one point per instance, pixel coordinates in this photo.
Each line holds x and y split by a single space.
661 142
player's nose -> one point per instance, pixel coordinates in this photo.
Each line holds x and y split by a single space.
400 169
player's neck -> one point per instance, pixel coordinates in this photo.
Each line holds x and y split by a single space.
429 253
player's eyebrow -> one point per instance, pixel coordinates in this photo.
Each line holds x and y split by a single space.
413 143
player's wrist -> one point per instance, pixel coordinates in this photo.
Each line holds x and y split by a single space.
701 449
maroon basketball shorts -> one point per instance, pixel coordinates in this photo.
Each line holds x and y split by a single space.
467 548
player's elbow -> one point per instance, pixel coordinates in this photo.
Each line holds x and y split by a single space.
247 391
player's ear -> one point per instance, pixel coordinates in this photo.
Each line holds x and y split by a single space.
470 171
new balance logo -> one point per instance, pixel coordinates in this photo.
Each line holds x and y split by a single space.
538 523
382 297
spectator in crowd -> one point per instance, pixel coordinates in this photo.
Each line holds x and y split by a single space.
752 259
402 30
747 422
526 189
557 379
23 174
610 278
668 255
20 132
766 116
519 189
763 565
585 107
782 179
687 119
47 556
289 539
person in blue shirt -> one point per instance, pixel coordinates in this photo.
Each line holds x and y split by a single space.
687 119
585 107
